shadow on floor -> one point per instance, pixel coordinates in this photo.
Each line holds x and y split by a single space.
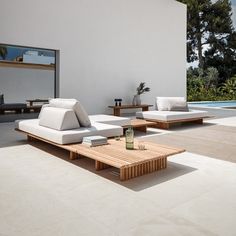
10 137
188 126
12 144
173 170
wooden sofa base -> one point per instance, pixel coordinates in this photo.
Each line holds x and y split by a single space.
73 154
167 124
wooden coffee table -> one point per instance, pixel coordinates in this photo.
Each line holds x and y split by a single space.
131 163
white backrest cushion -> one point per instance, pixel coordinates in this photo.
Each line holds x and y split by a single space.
82 115
164 103
43 106
79 110
178 106
58 118
63 103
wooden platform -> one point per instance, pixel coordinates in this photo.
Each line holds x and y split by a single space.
167 124
131 163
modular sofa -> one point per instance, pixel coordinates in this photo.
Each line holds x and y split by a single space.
172 110
66 122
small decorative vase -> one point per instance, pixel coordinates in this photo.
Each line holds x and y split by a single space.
136 100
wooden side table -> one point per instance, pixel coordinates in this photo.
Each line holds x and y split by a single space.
140 125
117 109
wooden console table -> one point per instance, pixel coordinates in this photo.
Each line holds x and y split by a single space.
32 101
116 109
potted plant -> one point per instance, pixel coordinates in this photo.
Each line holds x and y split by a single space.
141 89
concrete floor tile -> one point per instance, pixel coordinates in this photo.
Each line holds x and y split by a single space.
43 193
166 225
215 210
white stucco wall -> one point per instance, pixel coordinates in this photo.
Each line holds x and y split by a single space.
106 46
20 84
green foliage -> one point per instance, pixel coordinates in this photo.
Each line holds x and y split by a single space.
211 38
229 87
3 52
203 86
142 89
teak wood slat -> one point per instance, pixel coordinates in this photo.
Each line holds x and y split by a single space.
132 163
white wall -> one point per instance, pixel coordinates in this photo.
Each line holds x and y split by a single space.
106 46
20 84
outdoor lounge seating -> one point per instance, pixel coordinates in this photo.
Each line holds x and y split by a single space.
62 127
58 124
164 119
171 111
67 136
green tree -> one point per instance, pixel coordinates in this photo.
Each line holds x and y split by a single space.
210 34
229 86
3 52
211 77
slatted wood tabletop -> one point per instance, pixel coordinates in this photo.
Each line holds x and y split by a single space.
132 163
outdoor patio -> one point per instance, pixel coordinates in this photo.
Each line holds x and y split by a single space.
43 193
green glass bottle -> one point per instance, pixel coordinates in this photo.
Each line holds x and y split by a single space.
129 138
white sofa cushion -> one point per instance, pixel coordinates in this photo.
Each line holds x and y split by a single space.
76 106
82 115
43 106
164 103
58 118
68 136
111 120
170 115
178 105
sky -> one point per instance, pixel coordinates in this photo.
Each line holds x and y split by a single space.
195 63
234 12
13 52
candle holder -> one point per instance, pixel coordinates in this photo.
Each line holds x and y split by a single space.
118 101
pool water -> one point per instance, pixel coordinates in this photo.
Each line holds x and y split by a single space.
214 104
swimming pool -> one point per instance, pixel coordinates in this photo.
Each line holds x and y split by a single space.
225 104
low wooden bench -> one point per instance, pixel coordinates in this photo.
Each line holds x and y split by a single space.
131 163
12 107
